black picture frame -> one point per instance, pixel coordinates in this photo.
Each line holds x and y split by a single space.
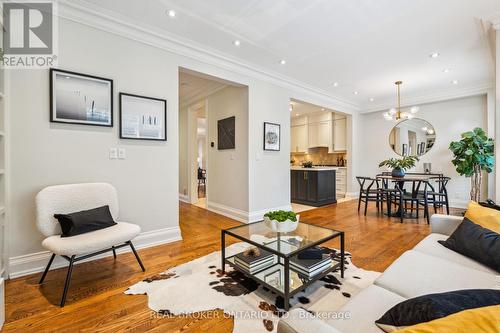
267 146
121 111
226 133
54 118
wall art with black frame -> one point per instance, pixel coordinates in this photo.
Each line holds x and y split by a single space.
226 133
272 136
83 99
143 118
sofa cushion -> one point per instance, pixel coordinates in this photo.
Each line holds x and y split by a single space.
416 274
484 320
434 306
476 242
430 245
364 308
485 217
92 241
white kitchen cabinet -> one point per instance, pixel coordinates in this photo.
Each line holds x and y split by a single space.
320 134
340 135
298 139
341 182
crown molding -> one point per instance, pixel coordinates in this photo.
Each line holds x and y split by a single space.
433 97
96 17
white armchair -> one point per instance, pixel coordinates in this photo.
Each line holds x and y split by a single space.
64 199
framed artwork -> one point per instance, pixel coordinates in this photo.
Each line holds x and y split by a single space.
226 133
405 149
272 136
143 118
77 98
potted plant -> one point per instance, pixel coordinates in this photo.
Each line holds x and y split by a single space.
281 221
399 165
473 154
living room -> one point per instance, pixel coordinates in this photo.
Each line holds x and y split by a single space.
99 230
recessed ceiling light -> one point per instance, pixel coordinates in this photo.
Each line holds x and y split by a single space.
356 92
446 70
297 114
335 84
322 109
372 99
236 43
455 82
171 13
434 55
282 61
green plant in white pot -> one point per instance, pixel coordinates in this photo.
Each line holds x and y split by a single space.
399 165
281 220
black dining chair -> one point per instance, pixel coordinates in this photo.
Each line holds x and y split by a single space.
437 194
369 190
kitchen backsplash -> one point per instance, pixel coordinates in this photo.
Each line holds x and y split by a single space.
319 156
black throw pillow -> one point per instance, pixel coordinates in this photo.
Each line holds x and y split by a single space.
85 221
434 306
476 242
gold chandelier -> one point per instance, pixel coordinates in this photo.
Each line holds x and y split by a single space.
395 114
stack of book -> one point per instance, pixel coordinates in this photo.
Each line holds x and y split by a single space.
311 267
253 264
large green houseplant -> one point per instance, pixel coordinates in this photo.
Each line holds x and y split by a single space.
473 154
399 165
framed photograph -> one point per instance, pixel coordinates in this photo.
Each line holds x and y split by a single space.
80 99
143 118
272 136
405 149
226 133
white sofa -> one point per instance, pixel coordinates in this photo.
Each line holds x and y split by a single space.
428 268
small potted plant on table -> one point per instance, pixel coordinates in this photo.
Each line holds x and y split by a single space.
399 165
281 221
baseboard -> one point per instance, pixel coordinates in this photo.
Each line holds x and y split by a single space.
459 203
233 213
241 215
259 215
352 194
183 198
36 262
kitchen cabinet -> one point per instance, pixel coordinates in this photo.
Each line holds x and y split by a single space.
320 134
339 135
341 184
298 139
314 188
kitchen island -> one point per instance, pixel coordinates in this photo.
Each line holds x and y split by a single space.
314 186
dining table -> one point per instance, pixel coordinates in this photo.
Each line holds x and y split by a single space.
417 179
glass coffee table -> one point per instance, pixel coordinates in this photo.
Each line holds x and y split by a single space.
280 277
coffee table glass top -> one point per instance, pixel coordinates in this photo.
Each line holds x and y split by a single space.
286 244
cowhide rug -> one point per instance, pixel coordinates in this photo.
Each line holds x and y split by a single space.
199 285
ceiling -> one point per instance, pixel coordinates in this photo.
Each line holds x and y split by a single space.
363 45
300 108
194 87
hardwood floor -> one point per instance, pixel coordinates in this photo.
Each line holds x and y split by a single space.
96 302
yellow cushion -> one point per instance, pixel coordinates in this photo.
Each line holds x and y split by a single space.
480 320
486 217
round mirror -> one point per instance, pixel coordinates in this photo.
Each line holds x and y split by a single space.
412 137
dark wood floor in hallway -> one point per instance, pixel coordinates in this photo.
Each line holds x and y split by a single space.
96 302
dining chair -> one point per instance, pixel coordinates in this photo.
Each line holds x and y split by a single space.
369 190
437 195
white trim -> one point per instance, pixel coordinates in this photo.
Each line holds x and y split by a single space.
36 262
433 97
241 215
112 22
184 198
459 203
233 213
259 215
352 194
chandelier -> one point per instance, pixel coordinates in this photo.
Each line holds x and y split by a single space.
395 114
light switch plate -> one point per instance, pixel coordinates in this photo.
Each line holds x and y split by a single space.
113 153
121 153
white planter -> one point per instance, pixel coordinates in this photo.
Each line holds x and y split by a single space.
287 226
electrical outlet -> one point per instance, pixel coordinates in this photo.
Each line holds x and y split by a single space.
113 153
121 153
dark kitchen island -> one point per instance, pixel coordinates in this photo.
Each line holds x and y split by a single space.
313 186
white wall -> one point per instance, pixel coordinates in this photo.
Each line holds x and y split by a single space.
449 118
228 169
183 154
45 153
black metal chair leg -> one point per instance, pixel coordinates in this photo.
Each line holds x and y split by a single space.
114 251
136 256
47 268
68 280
